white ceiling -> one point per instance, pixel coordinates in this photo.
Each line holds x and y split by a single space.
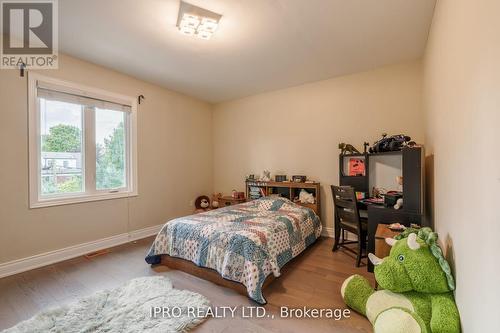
261 45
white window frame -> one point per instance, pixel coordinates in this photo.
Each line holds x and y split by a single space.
91 193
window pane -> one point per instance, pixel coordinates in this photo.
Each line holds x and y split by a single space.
110 149
61 147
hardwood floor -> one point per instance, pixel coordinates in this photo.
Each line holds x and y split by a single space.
313 280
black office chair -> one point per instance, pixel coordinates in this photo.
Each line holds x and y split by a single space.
347 219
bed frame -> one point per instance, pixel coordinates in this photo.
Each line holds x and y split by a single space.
208 274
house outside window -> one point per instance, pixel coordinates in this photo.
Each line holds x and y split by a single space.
82 143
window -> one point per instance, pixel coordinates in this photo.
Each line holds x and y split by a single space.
82 143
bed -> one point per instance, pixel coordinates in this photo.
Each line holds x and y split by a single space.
243 246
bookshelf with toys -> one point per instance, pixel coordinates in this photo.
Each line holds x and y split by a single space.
304 193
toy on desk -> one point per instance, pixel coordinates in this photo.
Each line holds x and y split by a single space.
365 147
391 143
399 204
347 149
399 181
416 294
378 192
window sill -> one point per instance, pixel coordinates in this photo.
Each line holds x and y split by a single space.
80 199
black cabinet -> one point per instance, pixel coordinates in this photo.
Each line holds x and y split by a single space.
413 180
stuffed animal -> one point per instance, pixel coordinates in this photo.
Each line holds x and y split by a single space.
266 176
392 143
415 288
306 197
347 149
399 204
215 200
202 204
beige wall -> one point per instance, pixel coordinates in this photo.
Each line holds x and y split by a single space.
297 130
462 106
174 163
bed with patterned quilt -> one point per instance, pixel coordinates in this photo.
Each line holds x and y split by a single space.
244 243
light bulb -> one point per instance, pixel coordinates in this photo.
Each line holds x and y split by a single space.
204 34
186 30
189 20
208 24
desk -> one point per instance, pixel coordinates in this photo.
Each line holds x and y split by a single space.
413 170
386 215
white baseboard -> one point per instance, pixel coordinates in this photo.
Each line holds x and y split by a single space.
44 259
327 232
143 233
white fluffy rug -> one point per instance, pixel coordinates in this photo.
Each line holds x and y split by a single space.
124 309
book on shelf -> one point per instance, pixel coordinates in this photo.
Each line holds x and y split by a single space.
254 192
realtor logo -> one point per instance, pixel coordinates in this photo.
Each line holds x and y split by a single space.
29 34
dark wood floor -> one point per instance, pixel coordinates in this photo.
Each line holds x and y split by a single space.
312 280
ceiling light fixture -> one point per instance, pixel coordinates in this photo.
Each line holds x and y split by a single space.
196 21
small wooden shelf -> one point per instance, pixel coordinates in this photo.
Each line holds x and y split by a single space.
229 201
288 189
282 184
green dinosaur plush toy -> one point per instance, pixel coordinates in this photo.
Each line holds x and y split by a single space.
416 288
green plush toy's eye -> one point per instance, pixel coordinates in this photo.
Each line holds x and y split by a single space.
401 258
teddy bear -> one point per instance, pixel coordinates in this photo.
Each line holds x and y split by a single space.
415 292
215 200
202 204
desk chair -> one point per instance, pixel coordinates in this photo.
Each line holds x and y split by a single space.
347 219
